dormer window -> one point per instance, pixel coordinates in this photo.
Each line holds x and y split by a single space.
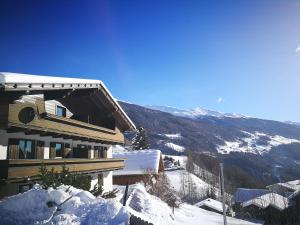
61 111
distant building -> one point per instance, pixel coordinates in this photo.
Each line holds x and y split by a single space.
137 165
286 188
268 207
212 205
56 121
244 194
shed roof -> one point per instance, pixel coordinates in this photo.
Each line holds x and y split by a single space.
213 204
139 162
271 199
245 194
293 185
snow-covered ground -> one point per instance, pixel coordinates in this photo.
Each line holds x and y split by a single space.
256 143
149 207
192 215
80 207
175 147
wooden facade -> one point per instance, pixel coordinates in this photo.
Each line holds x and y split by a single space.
52 125
80 136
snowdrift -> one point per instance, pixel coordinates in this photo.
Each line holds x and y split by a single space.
63 206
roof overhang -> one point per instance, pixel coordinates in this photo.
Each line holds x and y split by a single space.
14 82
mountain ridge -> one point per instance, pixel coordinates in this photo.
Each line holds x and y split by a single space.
254 145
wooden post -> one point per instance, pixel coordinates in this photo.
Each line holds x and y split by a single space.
125 195
223 193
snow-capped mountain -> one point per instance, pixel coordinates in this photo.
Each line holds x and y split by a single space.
256 146
194 113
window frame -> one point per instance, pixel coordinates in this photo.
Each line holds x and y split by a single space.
64 111
33 146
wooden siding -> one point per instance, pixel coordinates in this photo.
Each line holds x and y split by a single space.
61 125
127 179
14 169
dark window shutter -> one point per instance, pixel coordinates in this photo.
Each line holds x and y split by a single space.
105 152
13 149
52 150
39 150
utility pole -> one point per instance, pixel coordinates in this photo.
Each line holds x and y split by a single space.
223 192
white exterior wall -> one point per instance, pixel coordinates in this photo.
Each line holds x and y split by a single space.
107 181
94 180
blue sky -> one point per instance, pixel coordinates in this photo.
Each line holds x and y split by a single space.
230 56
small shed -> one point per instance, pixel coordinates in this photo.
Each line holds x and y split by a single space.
212 205
138 164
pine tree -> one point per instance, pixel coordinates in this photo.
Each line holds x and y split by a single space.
140 140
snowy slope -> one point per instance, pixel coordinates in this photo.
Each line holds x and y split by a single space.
256 143
192 215
177 176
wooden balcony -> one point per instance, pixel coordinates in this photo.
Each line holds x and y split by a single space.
21 168
51 125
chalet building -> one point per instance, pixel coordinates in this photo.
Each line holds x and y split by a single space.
138 165
56 121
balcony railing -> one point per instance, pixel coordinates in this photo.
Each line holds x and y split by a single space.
21 168
51 125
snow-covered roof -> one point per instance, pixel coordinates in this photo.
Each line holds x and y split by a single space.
17 81
295 194
211 203
245 194
270 199
138 162
292 185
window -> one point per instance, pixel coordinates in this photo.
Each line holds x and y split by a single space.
61 111
24 187
100 152
26 149
58 149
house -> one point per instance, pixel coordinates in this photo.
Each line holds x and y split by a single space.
292 213
286 188
56 121
212 205
137 165
269 207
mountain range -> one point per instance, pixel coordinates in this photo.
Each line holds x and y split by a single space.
266 150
